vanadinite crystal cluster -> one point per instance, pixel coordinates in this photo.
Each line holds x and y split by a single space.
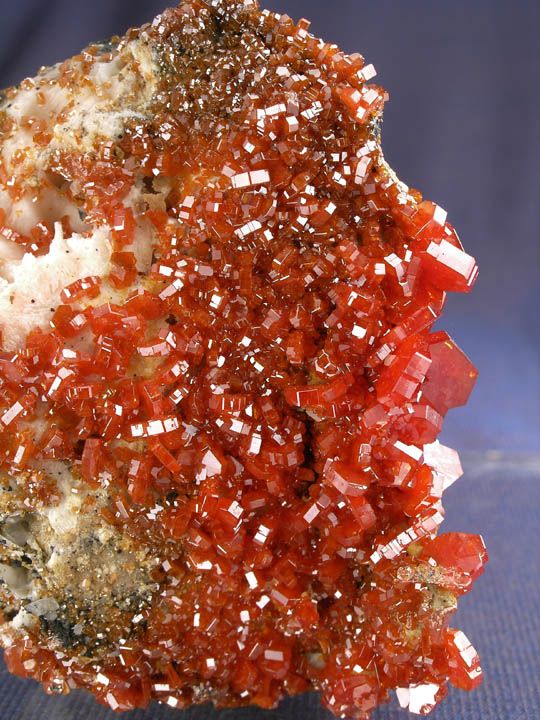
220 390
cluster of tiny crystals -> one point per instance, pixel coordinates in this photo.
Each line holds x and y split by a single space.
263 406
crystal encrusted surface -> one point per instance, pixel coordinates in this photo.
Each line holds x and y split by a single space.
219 388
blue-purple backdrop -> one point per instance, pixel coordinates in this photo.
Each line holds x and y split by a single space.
463 124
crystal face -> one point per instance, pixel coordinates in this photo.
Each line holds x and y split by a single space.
220 391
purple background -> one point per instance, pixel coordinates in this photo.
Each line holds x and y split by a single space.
463 124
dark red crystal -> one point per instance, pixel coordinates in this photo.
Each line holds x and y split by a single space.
259 406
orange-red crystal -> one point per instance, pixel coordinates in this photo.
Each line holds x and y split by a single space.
273 458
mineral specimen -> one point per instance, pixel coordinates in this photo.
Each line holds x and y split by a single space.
219 389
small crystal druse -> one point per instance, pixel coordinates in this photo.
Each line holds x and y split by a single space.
220 391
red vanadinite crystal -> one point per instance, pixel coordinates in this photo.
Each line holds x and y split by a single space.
261 407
